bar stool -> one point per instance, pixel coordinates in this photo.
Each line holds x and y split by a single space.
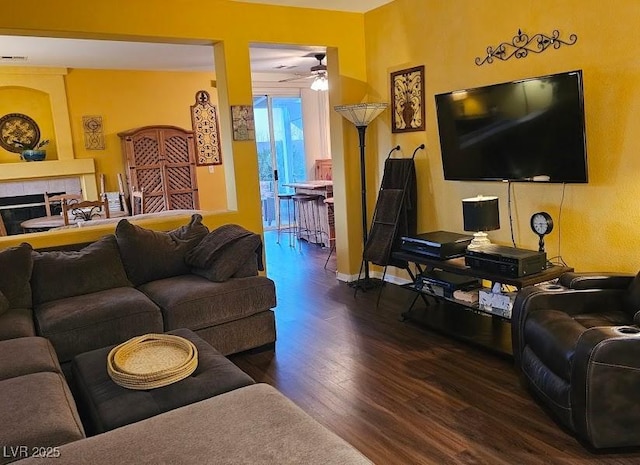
291 228
307 216
332 228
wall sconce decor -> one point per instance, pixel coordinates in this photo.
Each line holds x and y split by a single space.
244 127
206 129
521 45
407 98
93 132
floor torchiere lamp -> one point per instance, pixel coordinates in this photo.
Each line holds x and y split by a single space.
361 114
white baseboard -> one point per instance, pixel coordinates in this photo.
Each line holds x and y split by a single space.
390 278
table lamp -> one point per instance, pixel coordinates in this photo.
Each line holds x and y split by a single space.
480 214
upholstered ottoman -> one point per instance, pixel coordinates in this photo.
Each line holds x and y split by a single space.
105 405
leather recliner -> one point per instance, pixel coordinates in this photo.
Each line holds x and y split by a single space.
577 347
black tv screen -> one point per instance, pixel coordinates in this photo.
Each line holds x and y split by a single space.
527 130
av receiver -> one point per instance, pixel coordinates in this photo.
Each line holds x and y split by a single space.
507 261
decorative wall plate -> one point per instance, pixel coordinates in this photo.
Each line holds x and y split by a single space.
18 132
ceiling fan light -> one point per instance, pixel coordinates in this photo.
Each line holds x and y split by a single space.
320 83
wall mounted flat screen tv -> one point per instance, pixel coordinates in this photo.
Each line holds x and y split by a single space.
527 130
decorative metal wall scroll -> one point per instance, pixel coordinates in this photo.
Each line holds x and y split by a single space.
407 97
521 45
18 132
93 132
204 119
244 127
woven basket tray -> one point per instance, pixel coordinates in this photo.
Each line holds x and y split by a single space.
152 361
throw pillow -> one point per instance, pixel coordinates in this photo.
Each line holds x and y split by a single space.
16 264
96 267
225 252
4 303
151 255
207 250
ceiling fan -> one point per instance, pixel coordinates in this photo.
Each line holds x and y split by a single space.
318 72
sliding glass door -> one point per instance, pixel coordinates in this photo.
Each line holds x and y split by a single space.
281 155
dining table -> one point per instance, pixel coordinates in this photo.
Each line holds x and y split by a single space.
45 223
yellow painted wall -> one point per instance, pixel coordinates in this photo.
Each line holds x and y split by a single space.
600 221
130 99
37 106
232 27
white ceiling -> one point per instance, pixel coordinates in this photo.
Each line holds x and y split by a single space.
105 54
268 62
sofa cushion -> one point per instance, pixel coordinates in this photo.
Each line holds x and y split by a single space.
149 255
86 322
225 252
26 355
193 302
251 425
16 264
96 267
41 413
17 322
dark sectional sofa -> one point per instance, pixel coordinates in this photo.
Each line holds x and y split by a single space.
57 304
142 281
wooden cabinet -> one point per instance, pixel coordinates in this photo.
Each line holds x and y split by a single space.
160 161
323 169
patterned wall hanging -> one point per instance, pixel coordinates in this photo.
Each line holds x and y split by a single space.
407 97
244 127
204 120
93 133
521 45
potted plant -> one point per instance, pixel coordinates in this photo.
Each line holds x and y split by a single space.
36 153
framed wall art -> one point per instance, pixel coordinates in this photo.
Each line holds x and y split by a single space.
93 132
206 130
244 127
407 97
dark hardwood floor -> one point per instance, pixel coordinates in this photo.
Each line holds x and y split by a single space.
399 393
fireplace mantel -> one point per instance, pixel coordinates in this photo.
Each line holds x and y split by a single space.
82 168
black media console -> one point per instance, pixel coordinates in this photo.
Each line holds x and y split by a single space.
457 318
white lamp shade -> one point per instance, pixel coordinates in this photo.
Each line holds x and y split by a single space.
361 114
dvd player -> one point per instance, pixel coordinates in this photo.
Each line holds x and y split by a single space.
507 261
437 244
